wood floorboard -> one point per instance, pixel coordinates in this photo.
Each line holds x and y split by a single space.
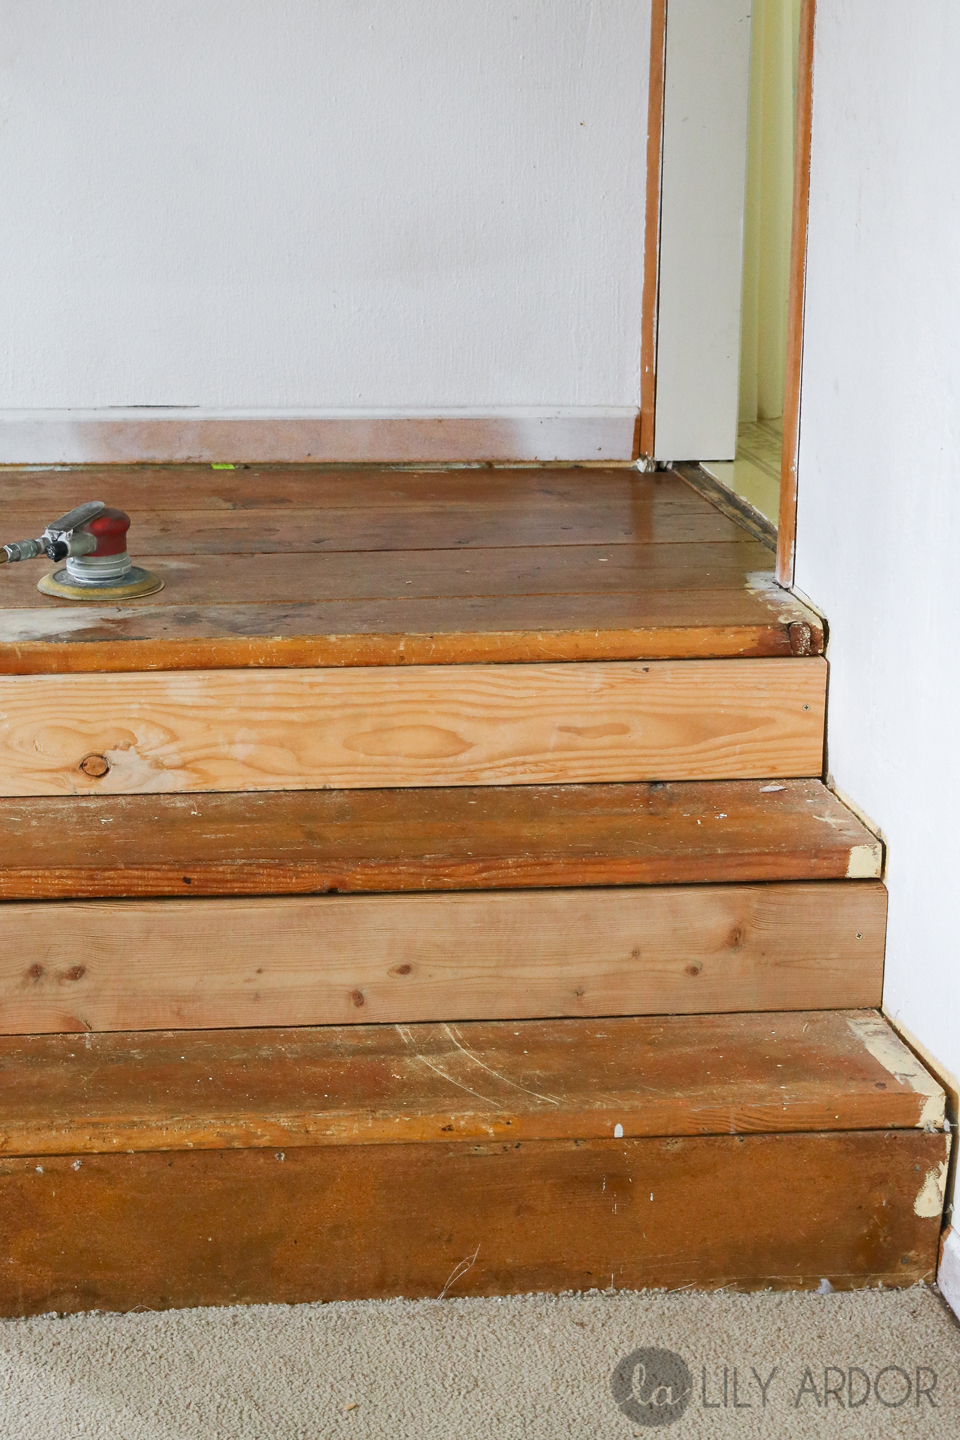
513 1080
198 487
410 525
510 572
653 626
454 838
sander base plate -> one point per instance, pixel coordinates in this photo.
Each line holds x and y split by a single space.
135 583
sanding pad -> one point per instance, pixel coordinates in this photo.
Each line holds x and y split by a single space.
136 582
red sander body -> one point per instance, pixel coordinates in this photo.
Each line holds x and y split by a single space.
93 541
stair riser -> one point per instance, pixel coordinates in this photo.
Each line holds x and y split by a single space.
197 964
342 1223
413 726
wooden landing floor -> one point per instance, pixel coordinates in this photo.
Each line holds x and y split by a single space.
313 566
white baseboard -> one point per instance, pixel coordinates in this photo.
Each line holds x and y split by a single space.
948 1275
104 437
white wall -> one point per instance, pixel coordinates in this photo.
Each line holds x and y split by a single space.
879 474
264 204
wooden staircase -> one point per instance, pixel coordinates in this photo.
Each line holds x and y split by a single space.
432 890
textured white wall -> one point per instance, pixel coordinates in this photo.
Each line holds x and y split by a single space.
879 480
321 203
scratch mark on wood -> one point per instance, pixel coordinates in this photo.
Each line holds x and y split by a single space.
458 1270
404 1033
453 1035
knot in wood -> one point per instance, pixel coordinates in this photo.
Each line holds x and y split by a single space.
95 766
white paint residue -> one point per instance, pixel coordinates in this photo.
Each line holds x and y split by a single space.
618 1132
22 626
885 1046
763 582
864 862
929 1203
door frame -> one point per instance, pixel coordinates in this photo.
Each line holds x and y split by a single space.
790 455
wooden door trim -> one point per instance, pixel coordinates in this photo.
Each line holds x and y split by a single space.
787 527
651 235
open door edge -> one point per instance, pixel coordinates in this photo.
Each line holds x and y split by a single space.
651 236
787 525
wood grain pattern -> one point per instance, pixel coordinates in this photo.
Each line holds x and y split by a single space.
651 228
334 960
345 1222
303 566
444 838
309 729
515 1080
787 524
622 493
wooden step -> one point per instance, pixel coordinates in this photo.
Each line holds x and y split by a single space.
469 838
525 902
305 566
363 629
282 1166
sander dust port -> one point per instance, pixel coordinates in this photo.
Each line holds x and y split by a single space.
93 541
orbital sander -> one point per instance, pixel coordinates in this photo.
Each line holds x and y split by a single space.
93 541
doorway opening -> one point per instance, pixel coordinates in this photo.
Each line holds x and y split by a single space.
754 475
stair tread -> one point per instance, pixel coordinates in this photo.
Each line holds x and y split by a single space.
456 838
304 566
492 1081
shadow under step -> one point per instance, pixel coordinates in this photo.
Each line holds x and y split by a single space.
184 1168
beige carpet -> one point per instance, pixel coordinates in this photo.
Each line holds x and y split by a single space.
531 1367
